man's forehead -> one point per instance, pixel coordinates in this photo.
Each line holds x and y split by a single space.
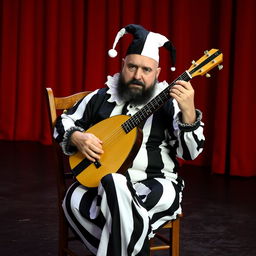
141 60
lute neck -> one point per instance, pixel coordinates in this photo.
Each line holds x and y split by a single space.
153 105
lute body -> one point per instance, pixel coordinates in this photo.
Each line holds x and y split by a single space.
120 148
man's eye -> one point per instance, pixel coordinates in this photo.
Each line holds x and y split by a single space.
132 67
147 70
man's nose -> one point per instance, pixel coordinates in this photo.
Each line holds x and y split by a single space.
138 73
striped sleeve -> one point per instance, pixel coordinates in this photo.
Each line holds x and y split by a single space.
190 137
74 119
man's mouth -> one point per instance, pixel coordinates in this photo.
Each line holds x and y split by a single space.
136 83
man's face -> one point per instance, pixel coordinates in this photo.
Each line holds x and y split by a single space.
138 77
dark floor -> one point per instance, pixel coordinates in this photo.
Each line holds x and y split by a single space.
219 212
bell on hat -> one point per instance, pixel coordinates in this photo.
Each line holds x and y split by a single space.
144 43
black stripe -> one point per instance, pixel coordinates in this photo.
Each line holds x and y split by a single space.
81 166
114 245
155 195
96 109
138 228
155 138
186 154
200 143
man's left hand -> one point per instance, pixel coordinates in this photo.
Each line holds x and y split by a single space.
184 93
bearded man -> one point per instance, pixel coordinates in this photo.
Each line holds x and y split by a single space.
118 217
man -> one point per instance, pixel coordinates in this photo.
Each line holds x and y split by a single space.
119 216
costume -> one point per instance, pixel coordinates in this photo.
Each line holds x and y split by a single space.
119 216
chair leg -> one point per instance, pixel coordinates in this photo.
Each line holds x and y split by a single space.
175 238
63 234
150 244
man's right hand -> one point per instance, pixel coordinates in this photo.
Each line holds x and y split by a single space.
88 144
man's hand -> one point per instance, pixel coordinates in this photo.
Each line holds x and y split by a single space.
88 144
184 93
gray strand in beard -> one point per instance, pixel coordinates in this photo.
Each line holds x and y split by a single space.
136 96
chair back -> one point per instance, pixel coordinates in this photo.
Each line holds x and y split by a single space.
61 103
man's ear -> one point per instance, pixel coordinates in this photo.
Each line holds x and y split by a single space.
123 61
158 70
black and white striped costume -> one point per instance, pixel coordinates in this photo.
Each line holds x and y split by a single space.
118 217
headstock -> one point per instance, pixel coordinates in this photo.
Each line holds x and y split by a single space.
207 62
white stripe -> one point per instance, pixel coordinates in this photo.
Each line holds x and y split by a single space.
166 201
105 232
137 171
153 41
117 110
74 202
126 215
124 203
192 144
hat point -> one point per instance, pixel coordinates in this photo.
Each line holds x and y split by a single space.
112 53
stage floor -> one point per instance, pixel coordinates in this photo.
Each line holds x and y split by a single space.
219 212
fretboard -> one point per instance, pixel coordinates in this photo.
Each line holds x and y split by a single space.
153 105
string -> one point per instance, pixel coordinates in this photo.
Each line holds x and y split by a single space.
115 133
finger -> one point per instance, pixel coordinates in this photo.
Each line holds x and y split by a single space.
91 151
176 92
177 86
96 148
94 156
96 139
93 143
184 84
91 155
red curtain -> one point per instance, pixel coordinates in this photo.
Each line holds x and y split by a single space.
63 44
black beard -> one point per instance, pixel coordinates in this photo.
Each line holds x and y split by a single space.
137 96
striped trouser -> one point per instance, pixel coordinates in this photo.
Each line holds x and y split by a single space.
118 217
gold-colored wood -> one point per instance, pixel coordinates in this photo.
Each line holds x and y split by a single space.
61 103
119 147
208 65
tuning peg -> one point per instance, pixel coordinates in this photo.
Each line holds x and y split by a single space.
194 63
220 67
207 53
207 75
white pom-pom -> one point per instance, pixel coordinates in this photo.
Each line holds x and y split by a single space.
173 69
112 53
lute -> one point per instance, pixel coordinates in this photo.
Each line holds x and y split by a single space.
121 135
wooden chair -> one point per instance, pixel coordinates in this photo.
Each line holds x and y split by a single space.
168 242
56 105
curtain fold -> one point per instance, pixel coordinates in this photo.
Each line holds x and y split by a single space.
63 44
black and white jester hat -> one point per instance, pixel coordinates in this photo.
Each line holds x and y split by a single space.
144 43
